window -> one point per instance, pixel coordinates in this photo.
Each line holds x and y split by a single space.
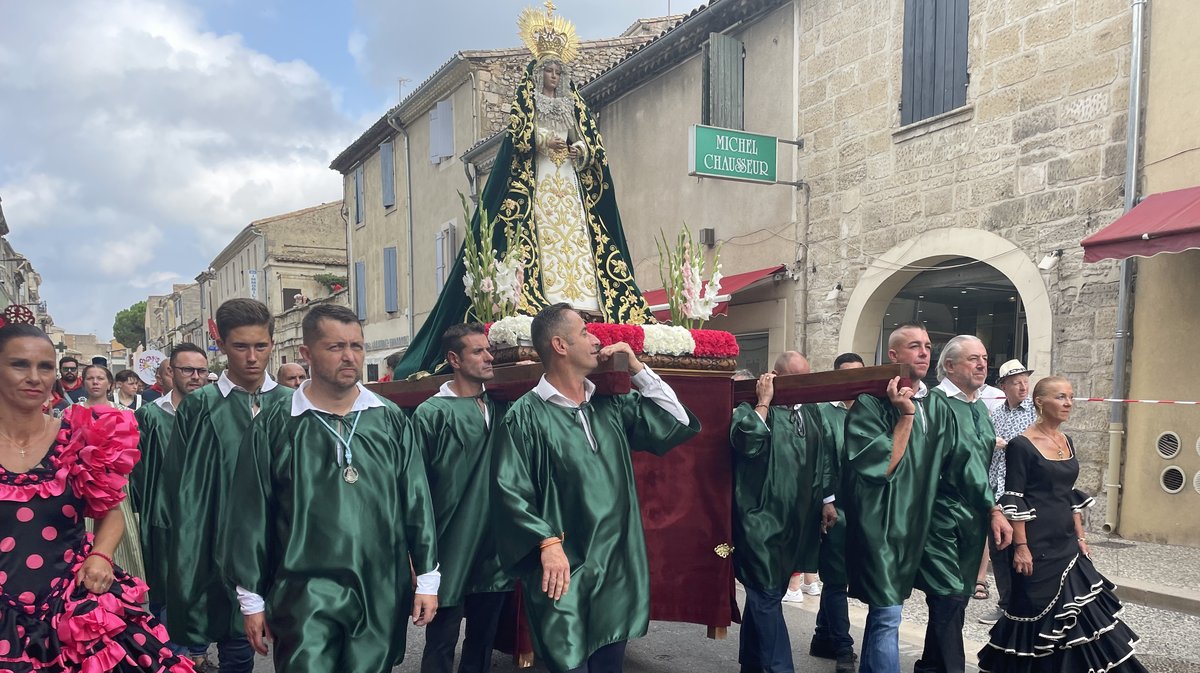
372 373
360 289
289 297
441 131
935 58
391 288
752 352
358 196
445 250
724 82
387 165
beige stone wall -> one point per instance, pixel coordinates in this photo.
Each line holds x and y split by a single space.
1036 157
288 334
1167 293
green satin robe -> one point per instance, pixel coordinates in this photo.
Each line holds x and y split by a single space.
330 558
887 516
456 445
958 528
831 423
777 493
194 486
154 429
548 481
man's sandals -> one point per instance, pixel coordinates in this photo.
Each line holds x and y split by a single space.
982 591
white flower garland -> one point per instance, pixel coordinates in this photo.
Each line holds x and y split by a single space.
666 340
511 331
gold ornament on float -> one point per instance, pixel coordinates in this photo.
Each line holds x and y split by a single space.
548 35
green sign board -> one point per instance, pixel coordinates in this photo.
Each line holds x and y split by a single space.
730 154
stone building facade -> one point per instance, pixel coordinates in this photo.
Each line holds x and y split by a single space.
402 178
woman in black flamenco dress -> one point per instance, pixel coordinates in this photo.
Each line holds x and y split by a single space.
1062 614
64 607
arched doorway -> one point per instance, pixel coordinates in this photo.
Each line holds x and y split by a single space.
990 257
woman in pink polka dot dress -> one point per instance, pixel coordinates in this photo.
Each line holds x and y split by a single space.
63 605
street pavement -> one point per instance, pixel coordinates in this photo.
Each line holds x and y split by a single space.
1170 642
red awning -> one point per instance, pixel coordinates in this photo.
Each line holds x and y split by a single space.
1166 222
729 286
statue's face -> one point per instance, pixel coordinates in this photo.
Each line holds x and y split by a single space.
551 74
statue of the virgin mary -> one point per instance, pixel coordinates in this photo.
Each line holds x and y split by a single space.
550 184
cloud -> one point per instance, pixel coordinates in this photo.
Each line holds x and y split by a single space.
137 143
395 40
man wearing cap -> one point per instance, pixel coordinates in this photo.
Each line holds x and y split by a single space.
1010 419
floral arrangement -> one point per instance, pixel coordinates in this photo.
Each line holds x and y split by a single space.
510 331
643 339
493 284
682 268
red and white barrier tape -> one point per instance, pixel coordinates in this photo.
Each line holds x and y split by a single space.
1107 399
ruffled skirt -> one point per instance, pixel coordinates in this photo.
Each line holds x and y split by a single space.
71 629
1079 630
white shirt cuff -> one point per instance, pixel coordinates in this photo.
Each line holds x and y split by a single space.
828 499
430 582
655 389
250 602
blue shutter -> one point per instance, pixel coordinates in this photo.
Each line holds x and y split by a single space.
934 66
391 289
439 260
358 195
360 289
387 162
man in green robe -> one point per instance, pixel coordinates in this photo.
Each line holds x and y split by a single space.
328 512
962 508
187 369
831 637
453 430
197 471
565 504
780 506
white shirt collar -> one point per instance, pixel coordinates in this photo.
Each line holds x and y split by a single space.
226 386
550 394
839 404
365 400
447 391
947 386
164 402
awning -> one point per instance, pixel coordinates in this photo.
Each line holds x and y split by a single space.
1166 222
730 285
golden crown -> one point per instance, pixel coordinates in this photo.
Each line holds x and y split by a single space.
547 35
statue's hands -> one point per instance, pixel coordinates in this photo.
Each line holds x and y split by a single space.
557 144
574 152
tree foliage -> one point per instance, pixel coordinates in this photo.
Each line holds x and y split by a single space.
129 327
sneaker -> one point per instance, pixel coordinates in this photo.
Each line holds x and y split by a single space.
991 616
813 589
796 596
847 663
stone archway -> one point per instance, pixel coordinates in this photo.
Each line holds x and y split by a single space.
891 272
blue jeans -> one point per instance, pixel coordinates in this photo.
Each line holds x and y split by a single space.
236 655
764 645
881 640
833 622
159 610
608 659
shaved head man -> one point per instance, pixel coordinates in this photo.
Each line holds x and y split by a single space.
291 375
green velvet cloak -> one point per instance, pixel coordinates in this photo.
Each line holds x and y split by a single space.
456 444
548 481
329 557
154 430
831 422
508 197
958 528
197 471
888 517
777 493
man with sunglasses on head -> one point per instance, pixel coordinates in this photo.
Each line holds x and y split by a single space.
187 371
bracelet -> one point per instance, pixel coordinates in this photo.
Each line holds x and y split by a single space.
106 557
1081 539
912 414
549 543
1020 544
761 406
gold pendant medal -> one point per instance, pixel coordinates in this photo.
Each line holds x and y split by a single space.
350 474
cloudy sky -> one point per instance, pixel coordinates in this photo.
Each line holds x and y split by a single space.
138 136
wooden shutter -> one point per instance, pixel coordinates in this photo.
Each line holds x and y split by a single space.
934 69
724 82
360 289
391 289
387 164
358 195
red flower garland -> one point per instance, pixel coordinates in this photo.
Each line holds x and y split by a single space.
610 333
711 343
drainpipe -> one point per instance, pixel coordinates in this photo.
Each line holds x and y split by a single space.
1116 420
412 293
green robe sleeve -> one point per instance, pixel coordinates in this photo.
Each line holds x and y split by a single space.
245 546
651 428
515 464
748 433
416 502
